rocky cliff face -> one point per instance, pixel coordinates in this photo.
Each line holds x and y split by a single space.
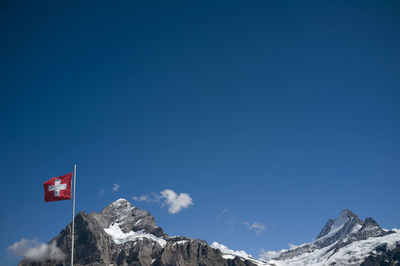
124 235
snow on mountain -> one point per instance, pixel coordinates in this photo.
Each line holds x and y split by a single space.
120 212
341 221
353 254
122 234
347 240
120 237
229 253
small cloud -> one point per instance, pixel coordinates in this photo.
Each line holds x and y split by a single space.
224 210
174 201
258 227
101 192
292 246
116 187
270 254
142 198
33 250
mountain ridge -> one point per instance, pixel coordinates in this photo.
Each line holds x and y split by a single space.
346 233
122 234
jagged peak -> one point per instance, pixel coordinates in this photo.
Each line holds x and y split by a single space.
341 220
347 213
370 224
117 211
128 218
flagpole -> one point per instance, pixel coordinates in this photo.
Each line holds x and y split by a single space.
73 219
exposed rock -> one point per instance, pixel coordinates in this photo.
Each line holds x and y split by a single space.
190 252
333 231
383 256
370 228
347 240
124 235
326 228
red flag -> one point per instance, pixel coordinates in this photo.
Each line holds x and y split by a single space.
58 188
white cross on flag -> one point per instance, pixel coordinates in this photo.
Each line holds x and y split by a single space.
58 188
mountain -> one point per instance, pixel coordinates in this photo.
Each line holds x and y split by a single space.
125 235
347 240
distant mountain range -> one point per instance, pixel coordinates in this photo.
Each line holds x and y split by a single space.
125 235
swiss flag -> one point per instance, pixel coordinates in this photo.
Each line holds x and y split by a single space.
58 188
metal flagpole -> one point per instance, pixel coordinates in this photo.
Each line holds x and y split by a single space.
73 219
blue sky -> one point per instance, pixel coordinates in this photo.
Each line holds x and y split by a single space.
278 113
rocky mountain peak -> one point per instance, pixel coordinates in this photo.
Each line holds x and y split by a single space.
124 235
340 237
117 212
370 228
128 218
370 223
346 213
344 217
343 224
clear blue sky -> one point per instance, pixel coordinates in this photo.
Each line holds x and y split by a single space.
276 112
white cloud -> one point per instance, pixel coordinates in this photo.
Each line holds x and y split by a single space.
35 251
142 198
116 187
224 210
225 250
174 201
258 227
270 254
101 192
292 246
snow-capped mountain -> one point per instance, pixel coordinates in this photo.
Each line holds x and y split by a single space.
347 240
124 235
